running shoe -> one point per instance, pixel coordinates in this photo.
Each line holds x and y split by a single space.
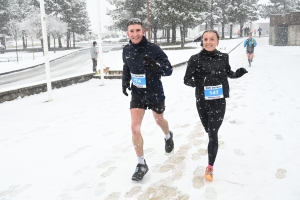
169 146
208 174
140 172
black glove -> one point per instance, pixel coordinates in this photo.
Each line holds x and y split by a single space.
150 63
125 87
240 72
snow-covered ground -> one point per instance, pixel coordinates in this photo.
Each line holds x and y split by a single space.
78 146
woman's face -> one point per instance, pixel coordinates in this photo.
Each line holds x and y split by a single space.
210 41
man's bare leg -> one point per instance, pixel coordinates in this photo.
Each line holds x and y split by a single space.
137 116
161 122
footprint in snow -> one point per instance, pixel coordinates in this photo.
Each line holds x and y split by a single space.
198 177
238 152
280 173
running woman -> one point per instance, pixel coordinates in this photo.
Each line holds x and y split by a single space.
250 43
144 64
208 71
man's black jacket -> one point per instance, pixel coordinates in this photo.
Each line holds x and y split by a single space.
133 63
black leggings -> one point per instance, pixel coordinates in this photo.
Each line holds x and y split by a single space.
211 113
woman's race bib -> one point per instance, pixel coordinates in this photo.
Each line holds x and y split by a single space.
139 80
213 92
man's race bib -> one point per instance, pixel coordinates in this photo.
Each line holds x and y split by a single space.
213 92
139 80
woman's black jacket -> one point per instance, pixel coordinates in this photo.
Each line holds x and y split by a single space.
208 69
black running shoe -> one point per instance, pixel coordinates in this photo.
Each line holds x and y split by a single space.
140 172
169 146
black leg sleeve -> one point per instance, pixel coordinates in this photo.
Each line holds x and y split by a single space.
211 113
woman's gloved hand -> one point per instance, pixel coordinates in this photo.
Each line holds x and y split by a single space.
240 72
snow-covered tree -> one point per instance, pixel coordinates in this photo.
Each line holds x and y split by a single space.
73 12
182 13
280 7
19 9
164 14
15 30
124 10
242 11
4 16
33 27
56 28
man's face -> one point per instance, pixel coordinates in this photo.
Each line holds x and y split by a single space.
135 33
250 36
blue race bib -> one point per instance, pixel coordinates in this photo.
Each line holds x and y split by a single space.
213 92
139 80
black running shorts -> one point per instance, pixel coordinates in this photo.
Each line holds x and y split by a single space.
159 108
250 50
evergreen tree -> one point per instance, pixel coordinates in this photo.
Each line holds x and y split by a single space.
4 16
280 7
73 12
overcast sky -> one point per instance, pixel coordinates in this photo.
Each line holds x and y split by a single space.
91 6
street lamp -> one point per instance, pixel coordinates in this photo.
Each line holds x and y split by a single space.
211 15
148 21
90 36
230 23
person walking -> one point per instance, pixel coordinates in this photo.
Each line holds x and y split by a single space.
208 71
259 31
94 55
254 31
144 64
250 43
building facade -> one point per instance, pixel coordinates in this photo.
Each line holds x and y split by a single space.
285 29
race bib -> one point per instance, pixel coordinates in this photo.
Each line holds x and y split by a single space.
213 92
139 80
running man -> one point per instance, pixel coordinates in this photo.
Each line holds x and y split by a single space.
250 43
144 64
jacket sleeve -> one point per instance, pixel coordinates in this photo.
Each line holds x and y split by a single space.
166 68
255 43
229 72
126 76
245 43
189 74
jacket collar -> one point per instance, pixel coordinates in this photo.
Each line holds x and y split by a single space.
210 53
140 46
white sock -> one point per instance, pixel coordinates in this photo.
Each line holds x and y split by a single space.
141 160
167 136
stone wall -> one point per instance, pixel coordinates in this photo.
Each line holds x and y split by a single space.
294 35
21 92
42 87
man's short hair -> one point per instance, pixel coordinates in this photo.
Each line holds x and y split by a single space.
134 21
94 42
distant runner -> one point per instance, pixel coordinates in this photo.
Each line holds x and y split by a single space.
250 43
